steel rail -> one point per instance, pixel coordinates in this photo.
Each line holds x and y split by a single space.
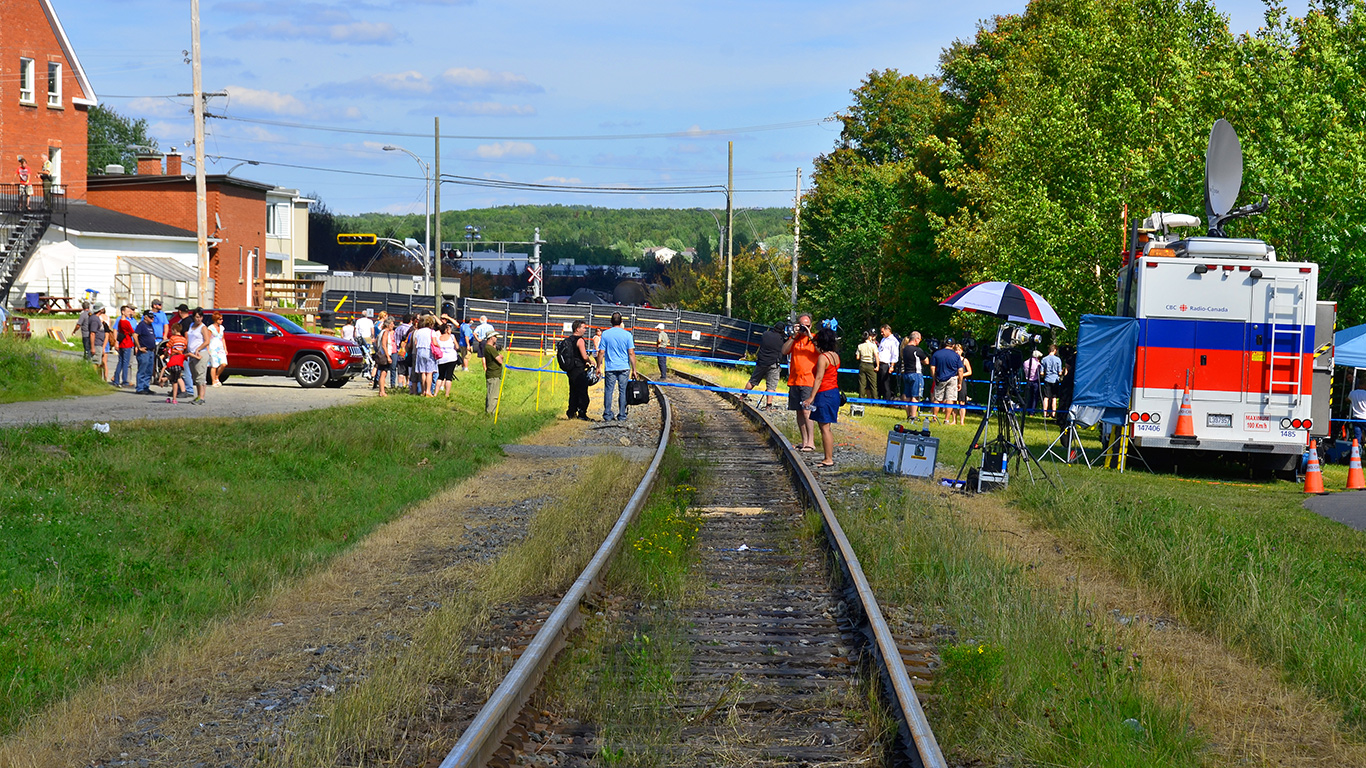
921 746
486 732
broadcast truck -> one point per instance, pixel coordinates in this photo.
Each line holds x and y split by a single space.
1222 319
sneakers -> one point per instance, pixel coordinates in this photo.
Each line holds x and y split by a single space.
197 401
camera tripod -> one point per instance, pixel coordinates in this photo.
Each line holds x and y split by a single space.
1003 402
1068 442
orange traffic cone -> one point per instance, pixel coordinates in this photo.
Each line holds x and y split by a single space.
1313 476
1185 424
1356 480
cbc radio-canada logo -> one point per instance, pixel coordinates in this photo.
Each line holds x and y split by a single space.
1183 307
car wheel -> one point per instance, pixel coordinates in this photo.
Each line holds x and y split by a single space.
335 383
311 372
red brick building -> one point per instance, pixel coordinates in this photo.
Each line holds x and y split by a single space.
236 216
44 95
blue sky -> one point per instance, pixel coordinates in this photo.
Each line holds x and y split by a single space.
518 74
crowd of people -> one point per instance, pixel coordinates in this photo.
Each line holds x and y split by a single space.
420 353
193 352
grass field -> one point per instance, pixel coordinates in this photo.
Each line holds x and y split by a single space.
28 372
111 544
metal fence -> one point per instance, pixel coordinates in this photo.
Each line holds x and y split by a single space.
13 201
532 327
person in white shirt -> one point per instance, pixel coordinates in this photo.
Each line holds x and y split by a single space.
888 352
349 331
482 331
365 336
1357 397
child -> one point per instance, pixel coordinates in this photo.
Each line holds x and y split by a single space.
175 361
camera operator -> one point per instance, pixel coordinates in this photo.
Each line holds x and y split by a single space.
801 378
767 365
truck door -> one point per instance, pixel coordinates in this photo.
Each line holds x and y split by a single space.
1217 364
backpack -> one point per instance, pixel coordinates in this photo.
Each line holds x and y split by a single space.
565 353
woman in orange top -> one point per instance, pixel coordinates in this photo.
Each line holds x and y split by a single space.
801 378
825 403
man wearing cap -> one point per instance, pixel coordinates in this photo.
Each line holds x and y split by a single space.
95 323
83 328
159 321
493 371
145 344
662 348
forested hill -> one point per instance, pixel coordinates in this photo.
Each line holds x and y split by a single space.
586 234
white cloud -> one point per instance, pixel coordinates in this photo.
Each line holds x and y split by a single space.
505 149
149 107
358 32
489 81
272 102
561 180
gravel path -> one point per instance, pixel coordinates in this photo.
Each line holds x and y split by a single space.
239 396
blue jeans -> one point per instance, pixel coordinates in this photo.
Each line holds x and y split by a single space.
146 364
124 367
610 381
186 380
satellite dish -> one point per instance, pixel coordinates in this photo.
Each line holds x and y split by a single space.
1223 174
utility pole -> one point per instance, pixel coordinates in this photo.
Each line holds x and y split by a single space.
436 203
796 242
730 216
201 194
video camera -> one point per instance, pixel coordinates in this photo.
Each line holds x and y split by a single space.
1012 335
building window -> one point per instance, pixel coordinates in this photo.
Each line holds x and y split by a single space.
277 219
26 80
54 84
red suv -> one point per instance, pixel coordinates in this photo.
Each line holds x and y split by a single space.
267 344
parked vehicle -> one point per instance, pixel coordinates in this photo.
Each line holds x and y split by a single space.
267 344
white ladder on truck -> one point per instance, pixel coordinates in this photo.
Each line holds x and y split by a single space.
1285 315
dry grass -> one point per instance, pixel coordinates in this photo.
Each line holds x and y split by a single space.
375 719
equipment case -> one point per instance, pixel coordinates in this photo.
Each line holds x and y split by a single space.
911 453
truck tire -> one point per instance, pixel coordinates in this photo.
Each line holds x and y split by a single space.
337 382
311 371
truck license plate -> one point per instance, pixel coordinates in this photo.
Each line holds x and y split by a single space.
1220 420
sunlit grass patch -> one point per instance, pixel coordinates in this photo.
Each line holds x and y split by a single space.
29 372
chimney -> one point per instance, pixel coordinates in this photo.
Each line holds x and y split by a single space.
173 162
149 164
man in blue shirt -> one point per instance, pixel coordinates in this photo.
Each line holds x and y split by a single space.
145 344
1052 380
617 359
945 365
465 337
159 321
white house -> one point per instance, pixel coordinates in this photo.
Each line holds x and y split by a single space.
112 258
661 254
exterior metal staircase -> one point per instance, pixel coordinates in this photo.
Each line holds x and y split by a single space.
24 219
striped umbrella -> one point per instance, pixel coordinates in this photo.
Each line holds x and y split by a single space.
1007 301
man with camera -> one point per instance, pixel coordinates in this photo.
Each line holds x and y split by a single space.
767 366
801 378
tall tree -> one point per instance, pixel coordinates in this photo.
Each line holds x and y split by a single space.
109 137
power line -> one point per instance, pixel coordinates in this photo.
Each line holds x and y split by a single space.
585 137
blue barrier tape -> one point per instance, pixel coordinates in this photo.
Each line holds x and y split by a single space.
859 400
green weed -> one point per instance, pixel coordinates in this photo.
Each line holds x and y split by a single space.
111 544
28 372
1245 563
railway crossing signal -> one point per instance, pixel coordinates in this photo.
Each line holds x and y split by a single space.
357 239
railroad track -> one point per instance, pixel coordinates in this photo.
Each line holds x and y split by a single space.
779 653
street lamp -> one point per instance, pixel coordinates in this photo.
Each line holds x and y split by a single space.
239 165
471 235
720 233
426 214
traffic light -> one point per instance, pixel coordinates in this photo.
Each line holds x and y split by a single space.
357 239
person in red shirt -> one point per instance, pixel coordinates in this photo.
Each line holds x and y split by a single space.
23 176
175 360
127 340
801 378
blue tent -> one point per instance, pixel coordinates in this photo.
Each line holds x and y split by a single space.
1350 347
1104 378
